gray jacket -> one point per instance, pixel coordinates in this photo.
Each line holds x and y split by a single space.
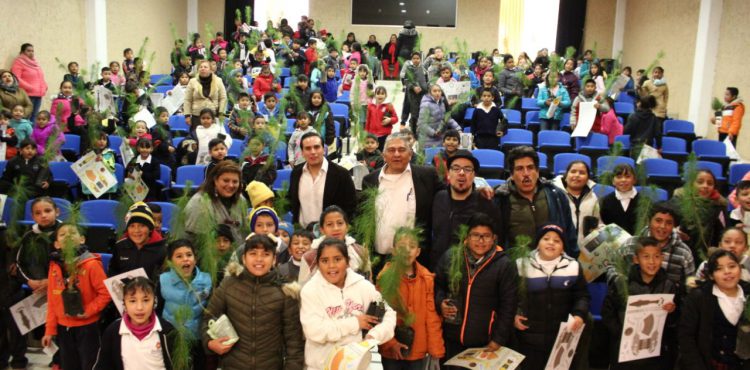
508 82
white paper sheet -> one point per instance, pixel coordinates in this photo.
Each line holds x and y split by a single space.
643 327
93 174
30 313
51 349
145 116
105 101
353 356
586 117
476 358
136 189
565 346
174 101
599 247
731 151
114 286
647 151
126 152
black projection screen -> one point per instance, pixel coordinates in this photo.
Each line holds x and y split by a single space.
425 13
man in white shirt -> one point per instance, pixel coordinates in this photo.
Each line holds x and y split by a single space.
317 184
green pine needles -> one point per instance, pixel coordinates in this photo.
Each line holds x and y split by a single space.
389 280
366 222
183 339
521 254
457 262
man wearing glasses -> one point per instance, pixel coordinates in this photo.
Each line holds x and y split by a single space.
527 201
454 206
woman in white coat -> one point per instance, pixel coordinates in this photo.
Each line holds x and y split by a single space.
334 306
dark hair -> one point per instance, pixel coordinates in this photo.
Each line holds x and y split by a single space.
226 166
26 142
332 209
269 95
522 152
179 243
64 82
106 69
356 46
126 50
623 169
481 219
733 91
214 142
259 242
417 53
713 261
643 242
143 142
159 110
66 224
141 282
5 114
706 170
302 114
665 207
452 133
444 67
243 95
44 113
742 185
627 68
573 163
298 42
589 81
302 78
25 46
309 135
744 234
302 233
44 199
659 68
322 99
506 58
72 64
647 102
220 33
155 208
332 243
208 111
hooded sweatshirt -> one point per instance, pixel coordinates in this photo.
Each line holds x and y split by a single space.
329 316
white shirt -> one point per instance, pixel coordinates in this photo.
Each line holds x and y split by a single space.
396 206
142 161
625 198
142 354
731 307
310 195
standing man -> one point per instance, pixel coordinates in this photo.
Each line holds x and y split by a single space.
317 184
527 202
454 206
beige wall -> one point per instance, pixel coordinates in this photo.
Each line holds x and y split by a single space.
53 30
211 14
732 61
669 26
599 27
153 21
476 24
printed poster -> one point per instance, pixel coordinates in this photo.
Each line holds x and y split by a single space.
105 101
476 358
586 117
145 116
599 247
30 313
457 91
93 174
565 347
353 356
136 189
643 326
172 102
115 284
126 152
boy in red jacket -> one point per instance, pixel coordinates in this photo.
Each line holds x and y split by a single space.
78 334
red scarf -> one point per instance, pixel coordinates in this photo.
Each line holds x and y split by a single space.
140 331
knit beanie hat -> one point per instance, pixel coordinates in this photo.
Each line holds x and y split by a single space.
283 225
258 192
140 212
225 231
263 211
544 229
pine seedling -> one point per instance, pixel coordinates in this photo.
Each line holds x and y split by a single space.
521 254
389 281
644 204
457 261
183 339
177 229
695 210
18 194
716 104
366 222
281 200
607 176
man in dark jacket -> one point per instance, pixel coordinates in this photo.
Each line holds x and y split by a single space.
480 313
406 40
526 202
318 183
454 206
415 82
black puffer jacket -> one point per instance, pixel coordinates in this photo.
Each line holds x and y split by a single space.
265 313
643 127
490 296
126 256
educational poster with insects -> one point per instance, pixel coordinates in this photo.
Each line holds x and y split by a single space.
565 346
93 174
643 327
476 358
116 283
599 248
30 313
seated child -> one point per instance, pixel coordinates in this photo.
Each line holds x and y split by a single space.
266 133
284 232
100 146
451 143
217 149
299 245
270 110
139 327
19 123
620 206
242 114
140 130
28 168
164 150
370 156
47 133
294 147
145 167
273 326
260 194
265 83
76 333
208 130
184 285
158 216
733 239
8 135
742 210
256 165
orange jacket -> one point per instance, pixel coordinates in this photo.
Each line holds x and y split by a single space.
94 294
731 120
419 296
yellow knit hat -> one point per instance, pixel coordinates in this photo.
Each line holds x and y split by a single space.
258 192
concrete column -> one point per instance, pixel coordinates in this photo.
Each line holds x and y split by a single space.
192 17
704 64
618 35
96 33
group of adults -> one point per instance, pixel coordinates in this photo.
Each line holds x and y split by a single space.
23 84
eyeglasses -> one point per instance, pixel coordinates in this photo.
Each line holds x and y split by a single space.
480 237
466 170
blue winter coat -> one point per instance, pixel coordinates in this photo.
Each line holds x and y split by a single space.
175 293
544 94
